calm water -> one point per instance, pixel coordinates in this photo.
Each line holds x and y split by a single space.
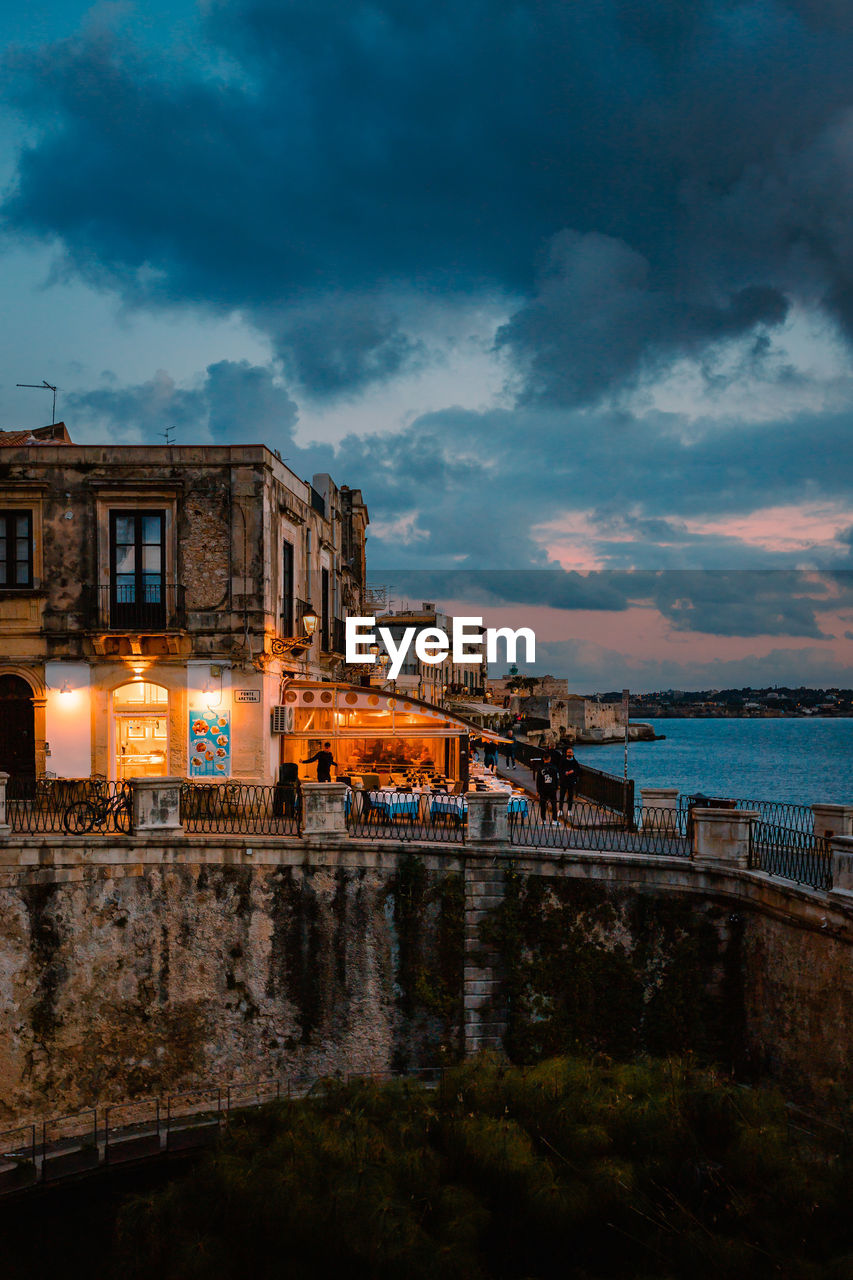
800 761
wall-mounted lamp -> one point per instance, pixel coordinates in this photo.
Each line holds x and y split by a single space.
294 646
213 697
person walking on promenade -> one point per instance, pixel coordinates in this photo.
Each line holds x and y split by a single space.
509 753
547 782
570 776
325 760
490 756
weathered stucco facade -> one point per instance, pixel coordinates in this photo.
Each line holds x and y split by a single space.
181 569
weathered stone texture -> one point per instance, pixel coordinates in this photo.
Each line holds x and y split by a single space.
112 987
176 964
205 545
798 992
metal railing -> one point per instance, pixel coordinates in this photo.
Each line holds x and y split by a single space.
152 607
75 806
336 638
655 831
783 842
776 813
388 814
239 808
121 1133
791 854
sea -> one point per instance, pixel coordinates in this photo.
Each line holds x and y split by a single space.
799 761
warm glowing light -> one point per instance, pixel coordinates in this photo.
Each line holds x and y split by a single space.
310 621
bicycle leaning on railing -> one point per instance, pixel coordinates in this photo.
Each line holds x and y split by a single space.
106 807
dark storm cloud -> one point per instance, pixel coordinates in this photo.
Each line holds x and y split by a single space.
685 165
234 401
342 344
444 527
596 320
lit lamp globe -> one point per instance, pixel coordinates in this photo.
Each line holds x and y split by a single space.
310 622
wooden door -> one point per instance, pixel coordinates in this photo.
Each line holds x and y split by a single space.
17 728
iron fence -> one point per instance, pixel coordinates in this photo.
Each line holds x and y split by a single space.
75 806
407 815
776 813
152 606
655 831
783 841
239 808
70 1145
791 854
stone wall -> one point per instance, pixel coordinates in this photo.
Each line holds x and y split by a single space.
119 984
146 965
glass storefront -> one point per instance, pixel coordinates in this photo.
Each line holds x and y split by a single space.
141 730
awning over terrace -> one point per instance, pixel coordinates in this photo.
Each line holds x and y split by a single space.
373 729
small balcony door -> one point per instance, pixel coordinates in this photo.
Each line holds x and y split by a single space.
137 569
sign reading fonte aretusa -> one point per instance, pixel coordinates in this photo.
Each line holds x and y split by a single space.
247 695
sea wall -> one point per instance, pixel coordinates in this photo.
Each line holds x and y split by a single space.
144 966
119 982
745 973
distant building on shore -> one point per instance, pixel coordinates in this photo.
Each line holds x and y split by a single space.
550 713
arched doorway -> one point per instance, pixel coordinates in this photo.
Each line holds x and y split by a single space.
17 727
141 734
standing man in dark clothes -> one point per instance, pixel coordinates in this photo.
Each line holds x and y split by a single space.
509 753
325 760
547 782
570 776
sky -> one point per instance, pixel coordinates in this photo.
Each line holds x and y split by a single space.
565 289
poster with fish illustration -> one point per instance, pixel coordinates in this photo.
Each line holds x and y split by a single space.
210 743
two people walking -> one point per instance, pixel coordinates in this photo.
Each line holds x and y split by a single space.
556 779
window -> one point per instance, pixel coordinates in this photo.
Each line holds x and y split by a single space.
287 588
137 568
325 637
16 548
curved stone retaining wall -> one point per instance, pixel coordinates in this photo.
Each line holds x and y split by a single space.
141 965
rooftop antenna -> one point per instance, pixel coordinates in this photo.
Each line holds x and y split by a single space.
42 386
167 435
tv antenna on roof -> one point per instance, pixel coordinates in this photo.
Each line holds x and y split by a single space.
42 386
167 435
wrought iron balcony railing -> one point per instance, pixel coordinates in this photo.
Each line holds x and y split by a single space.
157 606
338 636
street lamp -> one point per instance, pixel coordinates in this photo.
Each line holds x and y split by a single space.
310 621
295 646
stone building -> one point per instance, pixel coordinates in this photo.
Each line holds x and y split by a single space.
155 600
438 683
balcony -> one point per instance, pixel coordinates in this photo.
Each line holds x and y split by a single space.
157 606
339 644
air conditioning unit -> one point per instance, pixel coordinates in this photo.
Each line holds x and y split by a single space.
282 719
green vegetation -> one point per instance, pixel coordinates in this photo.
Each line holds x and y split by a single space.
573 1168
